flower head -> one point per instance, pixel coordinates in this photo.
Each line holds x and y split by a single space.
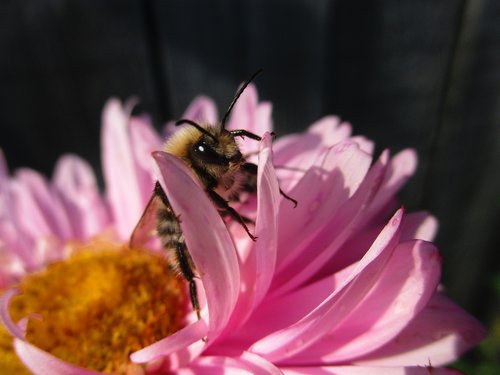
344 283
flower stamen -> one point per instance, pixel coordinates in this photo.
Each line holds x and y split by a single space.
100 305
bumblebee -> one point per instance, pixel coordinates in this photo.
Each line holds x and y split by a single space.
213 156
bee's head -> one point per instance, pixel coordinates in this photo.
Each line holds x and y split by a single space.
216 148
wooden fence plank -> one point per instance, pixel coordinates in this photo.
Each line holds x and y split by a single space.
211 47
463 185
61 60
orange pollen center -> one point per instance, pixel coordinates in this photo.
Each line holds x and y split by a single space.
100 305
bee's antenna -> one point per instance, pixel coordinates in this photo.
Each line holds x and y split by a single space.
236 97
197 126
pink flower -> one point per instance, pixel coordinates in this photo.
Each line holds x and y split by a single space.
345 283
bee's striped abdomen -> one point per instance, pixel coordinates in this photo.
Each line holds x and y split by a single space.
172 240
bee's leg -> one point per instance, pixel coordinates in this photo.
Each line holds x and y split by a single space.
158 191
221 203
184 261
245 133
247 220
251 168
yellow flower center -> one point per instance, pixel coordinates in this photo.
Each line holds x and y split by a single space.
100 305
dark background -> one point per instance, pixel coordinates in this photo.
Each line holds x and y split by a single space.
422 74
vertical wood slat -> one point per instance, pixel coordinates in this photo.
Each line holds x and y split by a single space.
464 183
211 47
200 55
61 60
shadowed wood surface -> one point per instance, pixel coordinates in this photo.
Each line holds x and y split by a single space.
406 74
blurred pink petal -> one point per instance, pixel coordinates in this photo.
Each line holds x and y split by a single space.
201 110
77 187
245 113
48 202
250 115
119 168
144 140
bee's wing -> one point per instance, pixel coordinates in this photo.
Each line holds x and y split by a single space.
146 227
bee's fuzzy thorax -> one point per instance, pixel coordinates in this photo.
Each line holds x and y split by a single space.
181 141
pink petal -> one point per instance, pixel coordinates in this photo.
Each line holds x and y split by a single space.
13 328
402 166
119 168
246 363
171 344
201 110
250 115
383 182
20 234
334 221
276 313
338 305
43 363
331 130
263 118
292 149
15 251
322 190
258 269
352 222
268 197
438 335
243 113
297 153
421 225
301 150
48 203
362 370
364 143
77 187
401 292
207 239
22 201
144 140
263 123
258 365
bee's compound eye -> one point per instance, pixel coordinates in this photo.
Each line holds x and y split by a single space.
207 153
